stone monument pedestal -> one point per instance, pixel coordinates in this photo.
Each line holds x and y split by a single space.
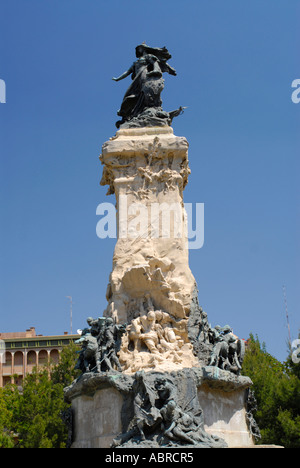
155 373
103 406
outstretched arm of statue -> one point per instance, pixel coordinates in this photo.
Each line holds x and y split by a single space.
165 67
126 73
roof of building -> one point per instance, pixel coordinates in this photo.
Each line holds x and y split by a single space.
30 334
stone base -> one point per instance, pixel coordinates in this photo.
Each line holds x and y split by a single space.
225 415
97 419
101 407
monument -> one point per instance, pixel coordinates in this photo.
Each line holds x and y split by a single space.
155 373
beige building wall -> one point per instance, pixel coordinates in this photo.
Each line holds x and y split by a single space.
22 351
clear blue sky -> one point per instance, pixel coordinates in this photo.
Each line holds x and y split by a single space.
235 62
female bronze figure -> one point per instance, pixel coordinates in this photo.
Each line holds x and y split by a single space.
142 104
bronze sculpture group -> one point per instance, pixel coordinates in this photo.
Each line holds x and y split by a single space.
101 342
99 346
159 419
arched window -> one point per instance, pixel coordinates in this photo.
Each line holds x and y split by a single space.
8 359
54 356
18 358
31 358
43 358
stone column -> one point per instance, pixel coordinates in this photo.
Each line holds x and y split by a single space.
147 170
13 363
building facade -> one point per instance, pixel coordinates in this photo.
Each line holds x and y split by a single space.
21 352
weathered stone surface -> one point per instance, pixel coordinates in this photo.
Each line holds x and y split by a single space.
97 418
218 395
152 288
217 378
147 170
91 382
161 375
225 415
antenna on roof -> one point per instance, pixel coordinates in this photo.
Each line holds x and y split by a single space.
287 316
71 313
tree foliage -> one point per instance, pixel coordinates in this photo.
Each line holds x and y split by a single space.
277 390
6 413
33 417
39 422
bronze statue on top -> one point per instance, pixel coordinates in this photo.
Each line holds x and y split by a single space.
142 104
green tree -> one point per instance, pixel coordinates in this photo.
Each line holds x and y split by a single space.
35 414
8 403
38 419
64 372
277 390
